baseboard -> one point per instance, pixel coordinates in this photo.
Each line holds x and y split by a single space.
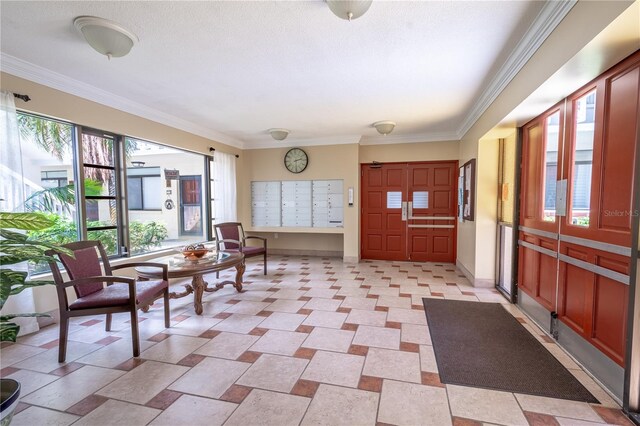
315 253
351 259
479 282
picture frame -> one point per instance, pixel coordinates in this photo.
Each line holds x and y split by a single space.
469 191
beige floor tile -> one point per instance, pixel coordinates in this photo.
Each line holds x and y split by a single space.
72 388
267 408
361 303
335 368
211 377
414 333
279 342
143 382
326 319
288 294
284 305
364 317
274 372
17 352
385 291
378 337
113 354
37 416
411 404
31 380
193 326
428 359
96 332
415 290
562 356
239 323
329 339
409 316
485 405
394 302
247 307
118 413
600 394
195 411
558 407
227 345
325 293
320 304
333 405
173 348
283 321
46 362
389 364
46 335
353 292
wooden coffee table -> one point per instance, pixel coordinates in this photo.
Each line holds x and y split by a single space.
181 268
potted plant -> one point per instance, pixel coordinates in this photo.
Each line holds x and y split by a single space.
16 248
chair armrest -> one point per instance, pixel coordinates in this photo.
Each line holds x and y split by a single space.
165 268
264 240
238 242
109 279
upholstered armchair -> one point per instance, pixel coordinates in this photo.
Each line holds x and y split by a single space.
230 237
121 294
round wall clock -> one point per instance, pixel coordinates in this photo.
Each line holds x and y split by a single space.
296 160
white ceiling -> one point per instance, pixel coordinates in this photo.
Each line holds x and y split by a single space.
231 70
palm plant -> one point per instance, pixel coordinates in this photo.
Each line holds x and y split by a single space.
16 248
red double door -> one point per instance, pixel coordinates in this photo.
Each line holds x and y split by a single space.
409 211
576 207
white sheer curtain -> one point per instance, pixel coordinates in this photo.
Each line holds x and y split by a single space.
12 199
224 175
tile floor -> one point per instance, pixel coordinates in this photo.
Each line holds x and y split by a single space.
316 342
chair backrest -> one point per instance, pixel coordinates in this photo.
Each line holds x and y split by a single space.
84 264
229 231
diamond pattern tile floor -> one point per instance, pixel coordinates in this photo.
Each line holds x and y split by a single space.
316 341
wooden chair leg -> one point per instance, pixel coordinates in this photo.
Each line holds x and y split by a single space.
62 343
107 326
134 332
167 321
265 263
217 274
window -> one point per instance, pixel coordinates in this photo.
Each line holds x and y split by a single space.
582 158
163 209
551 138
144 188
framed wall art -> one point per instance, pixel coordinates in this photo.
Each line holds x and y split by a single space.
469 191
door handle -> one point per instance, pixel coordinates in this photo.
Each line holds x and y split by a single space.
404 211
410 208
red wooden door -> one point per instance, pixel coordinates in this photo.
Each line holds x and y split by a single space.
432 212
577 262
393 230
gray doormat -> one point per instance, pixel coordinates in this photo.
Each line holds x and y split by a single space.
482 345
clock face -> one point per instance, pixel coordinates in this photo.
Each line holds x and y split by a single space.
296 160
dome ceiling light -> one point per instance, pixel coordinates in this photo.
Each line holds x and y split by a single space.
349 9
106 37
384 127
279 134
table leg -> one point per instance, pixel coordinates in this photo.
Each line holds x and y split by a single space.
239 272
198 289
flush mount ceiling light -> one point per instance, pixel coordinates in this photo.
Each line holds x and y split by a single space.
106 37
349 9
279 134
384 127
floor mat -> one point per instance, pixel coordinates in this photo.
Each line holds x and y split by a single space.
482 345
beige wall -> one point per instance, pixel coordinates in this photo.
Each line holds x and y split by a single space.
325 162
425 151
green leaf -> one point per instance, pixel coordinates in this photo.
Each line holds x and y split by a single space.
13 236
9 331
26 221
29 284
31 248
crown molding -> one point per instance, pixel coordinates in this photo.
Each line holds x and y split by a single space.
40 75
551 14
291 142
412 138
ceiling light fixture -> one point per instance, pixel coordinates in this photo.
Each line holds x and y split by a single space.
349 9
279 134
384 127
106 37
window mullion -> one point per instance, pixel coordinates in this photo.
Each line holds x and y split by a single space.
78 171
